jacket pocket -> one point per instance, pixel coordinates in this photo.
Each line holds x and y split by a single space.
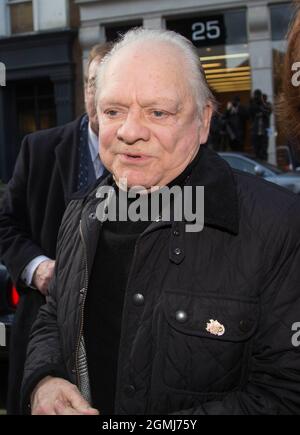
206 341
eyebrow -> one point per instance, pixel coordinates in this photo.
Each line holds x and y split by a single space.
162 100
175 103
148 103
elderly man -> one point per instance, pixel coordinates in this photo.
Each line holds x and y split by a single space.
52 165
146 317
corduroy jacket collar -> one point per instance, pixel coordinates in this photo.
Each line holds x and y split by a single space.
220 194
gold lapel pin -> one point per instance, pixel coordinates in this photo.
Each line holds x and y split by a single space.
215 328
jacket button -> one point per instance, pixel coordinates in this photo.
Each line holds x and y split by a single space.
176 233
177 251
129 390
138 300
181 316
93 216
245 325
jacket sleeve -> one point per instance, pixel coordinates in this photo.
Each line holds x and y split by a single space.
44 356
273 381
17 248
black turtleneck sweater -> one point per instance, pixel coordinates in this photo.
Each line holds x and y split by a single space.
105 300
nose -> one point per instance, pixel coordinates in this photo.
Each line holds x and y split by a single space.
133 129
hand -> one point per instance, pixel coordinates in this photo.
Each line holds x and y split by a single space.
56 396
43 275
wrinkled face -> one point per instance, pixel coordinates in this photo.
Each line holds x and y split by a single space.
149 126
89 94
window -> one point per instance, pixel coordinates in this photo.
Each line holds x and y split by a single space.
246 165
281 15
113 32
240 164
21 16
35 106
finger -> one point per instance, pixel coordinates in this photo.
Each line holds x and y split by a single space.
38 412
59 407
43 410
90 411
51 265
48 275
62 409
43 289
78 402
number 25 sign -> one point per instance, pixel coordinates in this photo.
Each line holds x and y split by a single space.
208 30
203 31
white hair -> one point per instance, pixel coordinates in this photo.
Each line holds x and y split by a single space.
195 73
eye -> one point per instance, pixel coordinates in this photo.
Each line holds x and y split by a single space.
111 113
159 114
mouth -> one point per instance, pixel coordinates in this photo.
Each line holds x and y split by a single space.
134 158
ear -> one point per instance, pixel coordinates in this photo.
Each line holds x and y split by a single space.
205 123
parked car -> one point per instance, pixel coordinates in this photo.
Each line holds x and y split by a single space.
8 301
287 158
247 163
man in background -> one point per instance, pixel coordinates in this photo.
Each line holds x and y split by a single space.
52 165
236 118
260 112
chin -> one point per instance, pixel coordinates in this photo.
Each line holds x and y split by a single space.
134 180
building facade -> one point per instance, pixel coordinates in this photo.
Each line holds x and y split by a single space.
39 48
241 43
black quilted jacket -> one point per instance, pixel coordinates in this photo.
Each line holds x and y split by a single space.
242 270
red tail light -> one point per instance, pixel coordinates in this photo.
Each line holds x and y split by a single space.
14 297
